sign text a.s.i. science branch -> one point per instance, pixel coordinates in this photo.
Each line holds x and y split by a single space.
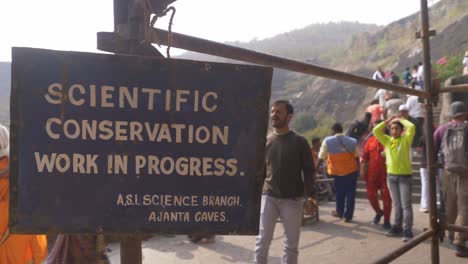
135 144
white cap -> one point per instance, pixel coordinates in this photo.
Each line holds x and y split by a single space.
4 141
403 108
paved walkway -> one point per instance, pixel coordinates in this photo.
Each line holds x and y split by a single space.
328 241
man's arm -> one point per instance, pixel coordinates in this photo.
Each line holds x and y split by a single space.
308 171
410 129
356 154
322 154
365 161
438 139
380 134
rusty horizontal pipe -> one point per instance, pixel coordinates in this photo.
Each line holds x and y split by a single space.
406 247
454 88
456 228
324 180
222 50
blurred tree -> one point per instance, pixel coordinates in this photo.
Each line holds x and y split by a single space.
304 122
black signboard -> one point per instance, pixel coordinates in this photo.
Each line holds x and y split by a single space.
132 144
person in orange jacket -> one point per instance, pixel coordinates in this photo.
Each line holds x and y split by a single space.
15 249
375 176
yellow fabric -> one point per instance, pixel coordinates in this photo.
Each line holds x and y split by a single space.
17 249
397 150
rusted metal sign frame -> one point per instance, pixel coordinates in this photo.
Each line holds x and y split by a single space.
222 50
130 245
109 42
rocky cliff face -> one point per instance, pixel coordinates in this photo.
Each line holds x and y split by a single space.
394 48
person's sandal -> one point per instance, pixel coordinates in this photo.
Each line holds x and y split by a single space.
461 252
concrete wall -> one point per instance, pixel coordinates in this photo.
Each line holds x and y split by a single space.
448 98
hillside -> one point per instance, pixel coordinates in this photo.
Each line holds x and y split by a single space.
359 50
394 48
306 44
311 44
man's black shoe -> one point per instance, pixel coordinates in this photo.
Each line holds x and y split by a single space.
377 218
336 214
395 231
387 226
407 235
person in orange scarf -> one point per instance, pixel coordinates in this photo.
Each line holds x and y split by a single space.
15 249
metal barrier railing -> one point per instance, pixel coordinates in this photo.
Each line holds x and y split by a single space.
454 88
112 42
226 51
406 247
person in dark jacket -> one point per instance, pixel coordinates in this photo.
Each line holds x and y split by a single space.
289 177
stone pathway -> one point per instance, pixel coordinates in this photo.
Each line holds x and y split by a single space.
328 241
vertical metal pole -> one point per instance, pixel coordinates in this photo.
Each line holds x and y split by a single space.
100 247
433 218
120 12
130 250
130 245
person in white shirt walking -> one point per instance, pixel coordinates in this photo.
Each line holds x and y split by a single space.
465 63
420 75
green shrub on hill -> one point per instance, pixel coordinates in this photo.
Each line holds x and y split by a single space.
304 122
453 67
323 128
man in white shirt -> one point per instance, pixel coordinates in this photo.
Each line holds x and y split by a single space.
465 63
420 75
378 75
380 94
414 107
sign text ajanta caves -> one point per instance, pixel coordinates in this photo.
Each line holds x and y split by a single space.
135 144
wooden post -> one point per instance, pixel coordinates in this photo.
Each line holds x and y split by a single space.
129 17
130 250
130 246
430 155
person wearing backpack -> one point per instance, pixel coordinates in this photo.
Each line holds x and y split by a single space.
451 140
359 130
342 157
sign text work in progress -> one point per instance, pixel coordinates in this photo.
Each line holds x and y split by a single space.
135 144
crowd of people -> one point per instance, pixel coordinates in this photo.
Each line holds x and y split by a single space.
379 148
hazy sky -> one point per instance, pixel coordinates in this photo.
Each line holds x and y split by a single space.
72 25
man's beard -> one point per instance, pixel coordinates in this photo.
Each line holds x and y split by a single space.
280 123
